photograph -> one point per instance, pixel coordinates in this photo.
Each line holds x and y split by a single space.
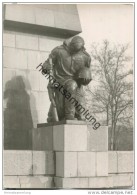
68 96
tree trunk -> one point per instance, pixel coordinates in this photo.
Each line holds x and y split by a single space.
112 139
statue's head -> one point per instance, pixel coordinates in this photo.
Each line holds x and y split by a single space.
76 44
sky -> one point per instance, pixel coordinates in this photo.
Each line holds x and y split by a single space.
114 22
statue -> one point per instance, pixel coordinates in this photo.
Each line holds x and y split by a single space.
69 64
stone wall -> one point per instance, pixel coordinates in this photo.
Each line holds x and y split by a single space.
67 155
35 169
30 33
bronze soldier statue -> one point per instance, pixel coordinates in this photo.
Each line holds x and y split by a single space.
70 66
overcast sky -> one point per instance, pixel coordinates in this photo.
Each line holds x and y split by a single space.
106 21
114 22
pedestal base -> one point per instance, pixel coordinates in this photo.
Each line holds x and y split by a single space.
111 181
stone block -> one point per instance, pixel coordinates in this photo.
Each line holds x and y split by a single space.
70 137
8 74
101 182
34 115
9 57
23 74
112 162
98 139
33 77
11 182
43 163
16 13
71 182
42 116
44 17
125 161
43 56
36 182
33 59
14 58
43 138
8 39
86 164
70 8
43 82
44 102
102 163
67 21
34 100
17 162
47 44
20 59
66 164
122 180
27 41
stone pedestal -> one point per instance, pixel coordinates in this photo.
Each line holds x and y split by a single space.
68 154
80 152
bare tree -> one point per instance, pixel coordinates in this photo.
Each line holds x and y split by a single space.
113 95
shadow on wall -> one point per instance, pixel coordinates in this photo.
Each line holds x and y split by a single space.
18 123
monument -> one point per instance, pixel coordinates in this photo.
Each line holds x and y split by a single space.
69 65
79 155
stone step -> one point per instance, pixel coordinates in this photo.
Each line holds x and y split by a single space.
112 181
27 182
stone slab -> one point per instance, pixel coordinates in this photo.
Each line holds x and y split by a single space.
125 161
44 17
27 41
101 182
33 78
46 44
43 139
8 39
86 164
97 139
17 162
70 138
14 58
49 17
16 13
43 162
122 180
71 182
36 182
112 162
66 164
71 122
102 163
11 182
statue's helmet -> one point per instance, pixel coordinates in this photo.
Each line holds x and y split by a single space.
77 39
84 76
77 43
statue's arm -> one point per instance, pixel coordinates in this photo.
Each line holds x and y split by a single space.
88 63
50 62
